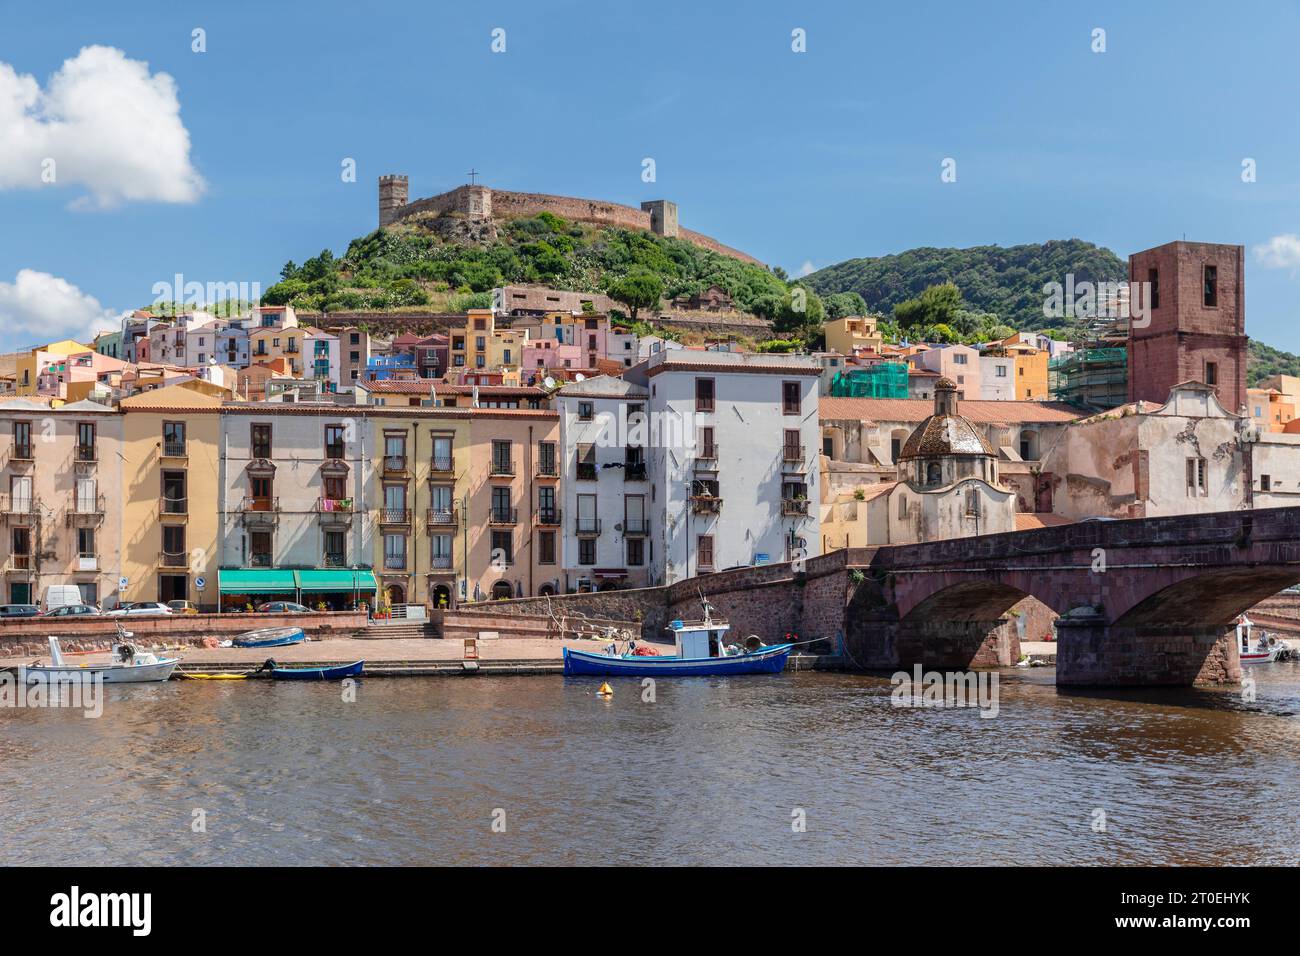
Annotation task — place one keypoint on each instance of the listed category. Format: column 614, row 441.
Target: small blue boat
column 315, row 673
column 702, row 651
column 270, row 637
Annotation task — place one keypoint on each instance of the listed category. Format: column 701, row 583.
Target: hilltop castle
column 482, row 202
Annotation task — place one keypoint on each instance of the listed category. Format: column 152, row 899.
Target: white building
column 732, row 456
column 321, row 358
column 294, row 483
column 997, row 375
column 606, row 492
column 650, row 345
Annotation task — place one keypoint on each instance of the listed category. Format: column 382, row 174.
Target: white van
column 61, row 595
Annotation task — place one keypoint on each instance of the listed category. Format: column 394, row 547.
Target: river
column 714, row 771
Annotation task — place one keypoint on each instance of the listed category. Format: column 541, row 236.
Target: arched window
column 933, row 473
column 502, row 591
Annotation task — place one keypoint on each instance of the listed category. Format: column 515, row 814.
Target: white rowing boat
column 130, row 666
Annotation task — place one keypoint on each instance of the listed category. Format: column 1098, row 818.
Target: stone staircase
column 397, row 630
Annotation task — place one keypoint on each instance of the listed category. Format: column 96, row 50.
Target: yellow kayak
column 214, row 676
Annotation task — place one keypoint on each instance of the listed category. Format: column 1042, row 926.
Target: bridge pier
column 1092, row 653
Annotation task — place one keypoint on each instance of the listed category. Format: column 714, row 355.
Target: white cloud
column 1280, row 252
column 807, row 268
column 37, row 308
column 108, row 124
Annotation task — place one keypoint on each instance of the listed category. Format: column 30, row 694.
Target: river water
column 417, row 771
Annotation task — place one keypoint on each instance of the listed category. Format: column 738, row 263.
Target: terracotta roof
column 1028, row 522
column 945, row 435
column 982, row 412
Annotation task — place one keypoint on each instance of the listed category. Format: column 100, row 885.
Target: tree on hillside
column 841, row 304
column 637, row 290
column 937, row 305
column 801, row 314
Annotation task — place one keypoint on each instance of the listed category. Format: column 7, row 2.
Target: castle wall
column 481, row 201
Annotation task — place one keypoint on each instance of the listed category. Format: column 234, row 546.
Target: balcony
column 394, row 562
column 706, row 458
column 86, row 512
column 586, row 471
column 19, row 562
column 442, row 518
column 706, row 505
column 794, row 506
column 503, row 516
column 260, row 560
column 634, row 471
column 548, row 517
column 635, row 527
column 173, row 507
column 441, row 564
column 548, row 469
column 335, row 561
column 395, row 517
column 174, row 449
column 334, row 511
column 502, row 468
column 22, row 455
column 87, row 562
column 169, row 559
column 395, row 465
column 443, row 465
column 792, row 458
column 586, row 527
column 86, row 455
column 20, row 510
column 260, row 511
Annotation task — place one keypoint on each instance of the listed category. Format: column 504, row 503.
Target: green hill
column 1005, row 280
column 453, row 264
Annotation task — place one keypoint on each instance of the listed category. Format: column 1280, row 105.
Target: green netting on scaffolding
column 884, row 380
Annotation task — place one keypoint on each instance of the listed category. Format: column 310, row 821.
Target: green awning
column 331, row 580
column 247, row 581
column 366, row 581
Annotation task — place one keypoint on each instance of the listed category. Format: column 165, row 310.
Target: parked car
column 283, row 607
column 182, row 607
column 73, row 610
column 139, row 608
column 19, row 610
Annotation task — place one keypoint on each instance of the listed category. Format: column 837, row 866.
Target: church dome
column 945, row 432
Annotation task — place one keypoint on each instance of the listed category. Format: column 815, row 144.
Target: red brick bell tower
column 1197, row 328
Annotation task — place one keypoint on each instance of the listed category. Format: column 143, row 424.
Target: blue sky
column 796, row 158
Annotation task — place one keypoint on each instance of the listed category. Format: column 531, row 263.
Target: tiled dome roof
column 945, row 435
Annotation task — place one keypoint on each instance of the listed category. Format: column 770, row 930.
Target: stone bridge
column 1145, row 601
column 1148, row 601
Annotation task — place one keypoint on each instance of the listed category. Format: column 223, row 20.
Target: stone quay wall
column 29, row 636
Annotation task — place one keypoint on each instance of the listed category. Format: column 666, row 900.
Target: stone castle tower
column 1197, row 328
column 393, row 194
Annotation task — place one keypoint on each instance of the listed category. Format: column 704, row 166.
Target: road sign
column 122, row 583
column 200, row 582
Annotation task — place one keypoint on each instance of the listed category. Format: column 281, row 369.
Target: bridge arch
column 1212, row 597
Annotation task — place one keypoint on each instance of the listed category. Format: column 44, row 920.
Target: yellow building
column 481, row 345
column 170, row 483
column 1031, row 372
column 30, row 365
column 272, row 342
column 852, row 332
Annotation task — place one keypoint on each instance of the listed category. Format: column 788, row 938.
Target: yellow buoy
column 605, row 691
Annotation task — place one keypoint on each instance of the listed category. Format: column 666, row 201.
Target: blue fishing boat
column 270, row 637
column 701, row 651
column 337, row 672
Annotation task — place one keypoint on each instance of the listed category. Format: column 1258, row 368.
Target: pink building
column 961, row 363
column 552, row 353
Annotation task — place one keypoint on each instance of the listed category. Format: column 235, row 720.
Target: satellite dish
column 579, row 377
column 548, row 382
